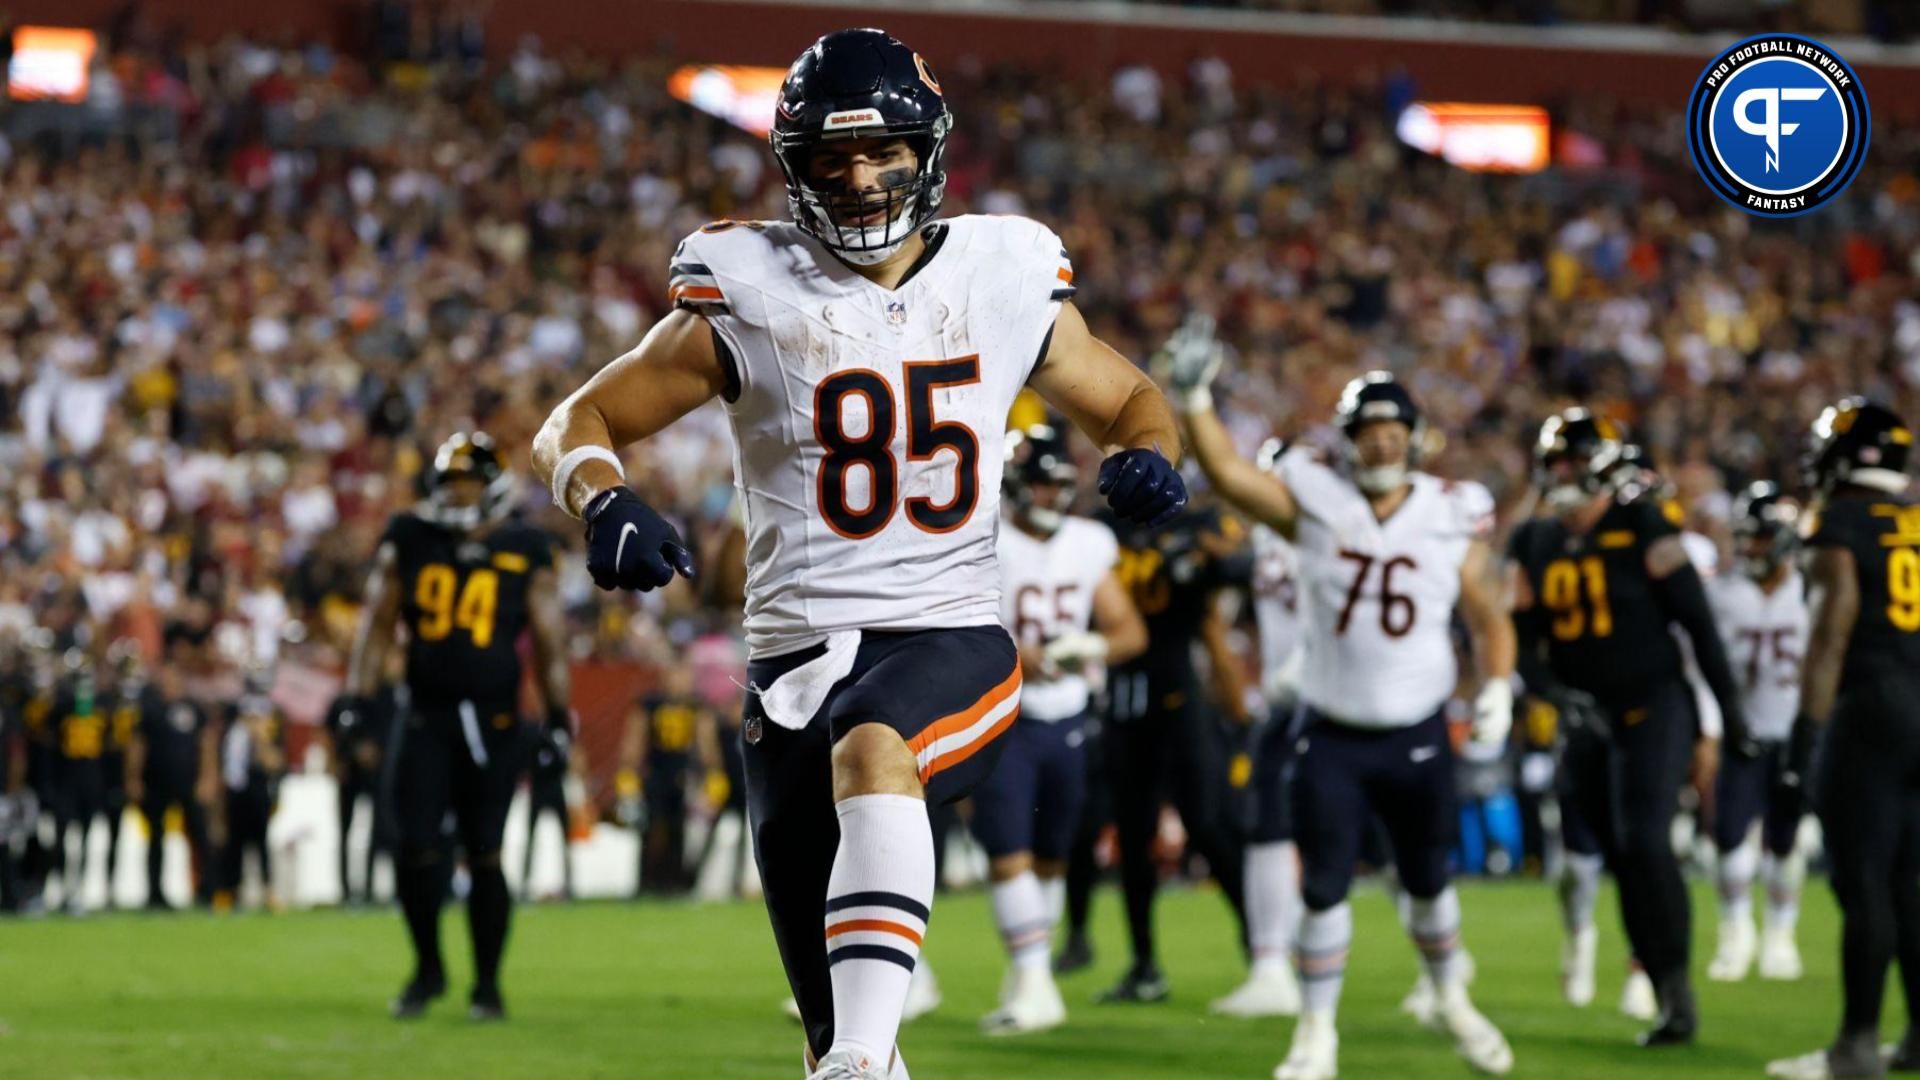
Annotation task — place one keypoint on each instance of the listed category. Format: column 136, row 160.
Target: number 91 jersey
column 1379, row 595
column 868, row 422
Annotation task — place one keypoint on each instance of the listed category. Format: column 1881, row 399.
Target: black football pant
column 1867, row 792
column 454, row 771
column 547, row 794
column 1625, row 785
column 1083, row 864
column 1171, row 753
column 358, row 782
column 248, row 812
column 162, row 792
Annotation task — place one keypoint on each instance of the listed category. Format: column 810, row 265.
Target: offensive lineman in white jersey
column 1272, row 861
column 1068, row 611
column 867, row 357
column 1762, row 614
column 1387, row 554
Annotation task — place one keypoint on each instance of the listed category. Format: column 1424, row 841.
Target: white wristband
column 573, row 459
column 1197, row 400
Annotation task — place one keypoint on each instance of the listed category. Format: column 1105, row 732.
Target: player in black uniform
column 358, row 741
column 1162, row 739
column 659, row 750
column 466, row 581
column 1857, row 697
column 172, row 749
column 1596, row 588
column 79, row 720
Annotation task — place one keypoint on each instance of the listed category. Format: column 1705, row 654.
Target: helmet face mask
column 1040, row 480
column 470, row 486
column 864, row 90
column 1576, row 458
column 1384, row 432
column 1765, row 530
column 1855, row 441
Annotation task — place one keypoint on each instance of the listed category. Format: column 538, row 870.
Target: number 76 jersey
column 1378, row 596
column 868, row 423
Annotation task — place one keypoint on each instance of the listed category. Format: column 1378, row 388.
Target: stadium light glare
column 1479, row 138
column 743, row 96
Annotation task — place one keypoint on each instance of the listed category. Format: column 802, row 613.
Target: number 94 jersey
column 868, row 422
column 1883, row 533
column 463, row 598
column 1379, row 595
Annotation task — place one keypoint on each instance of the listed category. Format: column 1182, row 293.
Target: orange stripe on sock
column 855, row 926
column 1065, row 275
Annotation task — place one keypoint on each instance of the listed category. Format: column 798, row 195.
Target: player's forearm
column 1530, row 654
column 576, row 423
column 1236, row 479
column 1144, row 421
column 1834, row 607
column 369, row 656
column 1685, row 600
column 1496, row 646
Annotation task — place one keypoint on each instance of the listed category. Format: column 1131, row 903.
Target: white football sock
column 878, row 901
column 1325, row 937
column 1273, row 902
column 1579, row 891
column 1054, row 889
column 1434, row 926
column 1020, row 911
column 1784, row 877
column 1736, row 880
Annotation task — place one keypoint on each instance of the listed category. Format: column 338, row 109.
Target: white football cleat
column 1268, row 991
column 1475, row 1036
column 1805, row 1067
column 1576, row 967
column 1734, row 956
column 1034, row 1004
column 843, row 1065
column 923, row 993
column 1421, row 1002
column 1637, row 999
column 1315, row 1053
column 1780, row 955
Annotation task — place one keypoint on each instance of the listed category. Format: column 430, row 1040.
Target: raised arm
column 1191, row 359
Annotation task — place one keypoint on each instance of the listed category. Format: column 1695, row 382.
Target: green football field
column 666, row 990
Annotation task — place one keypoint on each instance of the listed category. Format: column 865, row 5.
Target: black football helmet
column 1858, row 442
column 468, row 454
column 1577, row 456
column 1765, row 529
column 855, row 84
column 1038, row 454
column 1372, row 397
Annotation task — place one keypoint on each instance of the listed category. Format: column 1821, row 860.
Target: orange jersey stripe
column 694, row 292
column 1065, row 275
column 960, row 721
column 855, row 926
column 950, row 759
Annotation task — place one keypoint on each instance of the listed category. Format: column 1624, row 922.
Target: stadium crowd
column 245, row 289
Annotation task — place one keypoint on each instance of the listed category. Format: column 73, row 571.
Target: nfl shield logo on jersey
column 896, row 313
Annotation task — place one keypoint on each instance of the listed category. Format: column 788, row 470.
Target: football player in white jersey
column 1069, row 612
column 867, row 356
column 1387, row 555
column 1272, row 862
column 1762, row 614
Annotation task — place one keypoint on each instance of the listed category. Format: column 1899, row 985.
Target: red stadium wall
column 1533, row 66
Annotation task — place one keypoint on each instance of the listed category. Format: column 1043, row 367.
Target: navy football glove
column 631, row 547
column 1143, row 487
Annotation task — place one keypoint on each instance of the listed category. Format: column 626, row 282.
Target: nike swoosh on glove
column 631, row 547
column 1143, row 487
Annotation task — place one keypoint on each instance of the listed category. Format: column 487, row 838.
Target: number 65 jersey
column 868, row 423
column 1378, row 596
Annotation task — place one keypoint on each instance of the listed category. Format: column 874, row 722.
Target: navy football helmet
column 1765, row 529
column 1038, row 458
column 1374, row 397
column 857, row 84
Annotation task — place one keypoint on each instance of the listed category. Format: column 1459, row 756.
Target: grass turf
column 668, row 991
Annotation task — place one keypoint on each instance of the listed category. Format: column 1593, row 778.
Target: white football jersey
column 1276, row 604
column 1766, row 636
column 1378, row 596
column 868, row 422
column 1047, row 591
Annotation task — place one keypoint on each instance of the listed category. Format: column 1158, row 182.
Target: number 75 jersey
column 1378, row 596
column 868, row 423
